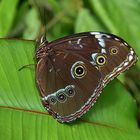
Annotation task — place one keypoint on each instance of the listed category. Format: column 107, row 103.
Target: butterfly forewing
column 93, row 44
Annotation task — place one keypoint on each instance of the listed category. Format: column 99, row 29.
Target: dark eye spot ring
column 113, row 50
column 100, row 59
column 78, row 70
column 61, row 97
column 70, row 91
column 52, row 100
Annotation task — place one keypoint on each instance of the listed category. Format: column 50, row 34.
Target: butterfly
column 72, row 71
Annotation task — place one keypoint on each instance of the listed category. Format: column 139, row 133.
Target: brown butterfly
column 72, row 71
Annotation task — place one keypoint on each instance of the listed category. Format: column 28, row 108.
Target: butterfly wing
column 55, row 75
column 55, row 79
column 119, row 55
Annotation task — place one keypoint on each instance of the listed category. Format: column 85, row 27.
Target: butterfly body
column 72, row 71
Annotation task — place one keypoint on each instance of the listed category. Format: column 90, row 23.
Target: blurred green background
column 25, row 19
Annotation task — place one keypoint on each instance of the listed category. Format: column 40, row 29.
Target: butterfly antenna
column 42, row 14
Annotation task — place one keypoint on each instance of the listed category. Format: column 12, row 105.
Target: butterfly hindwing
column 58, row 72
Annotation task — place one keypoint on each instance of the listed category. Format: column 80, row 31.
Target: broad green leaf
column 7, row 14
column 32, row 25
column 22, row 115
column 87, row 22
column 53, row 5
column 19, row 22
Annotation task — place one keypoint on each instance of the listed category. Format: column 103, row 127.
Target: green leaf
column 7, row 14
column 32, row 25
column 87, row 22
column 19, row 21
column 22, row 115
column 53, row 5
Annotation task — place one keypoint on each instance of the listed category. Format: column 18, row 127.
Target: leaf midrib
column 80, row 120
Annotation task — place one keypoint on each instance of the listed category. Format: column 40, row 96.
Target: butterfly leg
column 26, row 66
